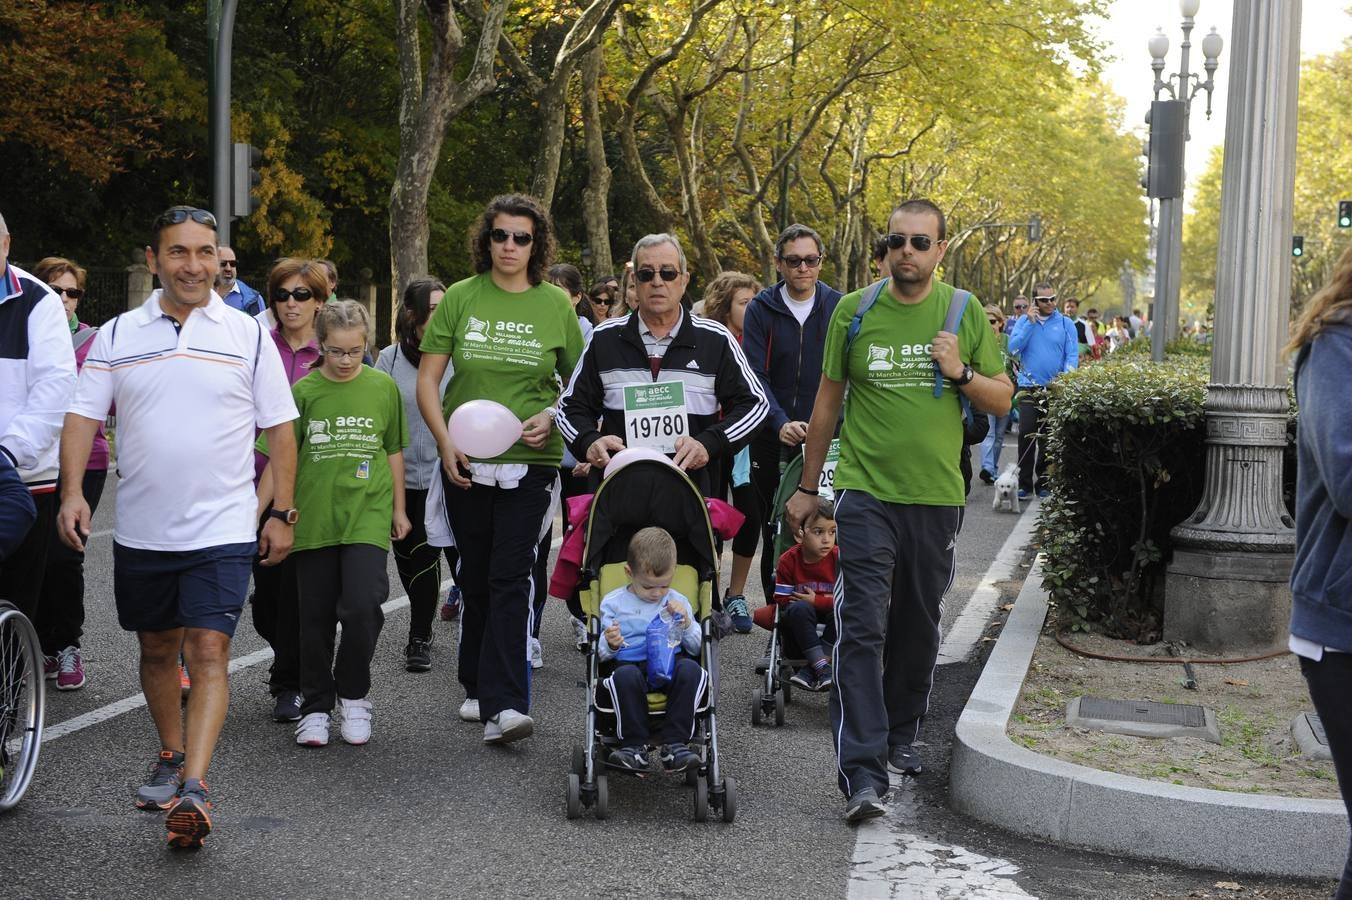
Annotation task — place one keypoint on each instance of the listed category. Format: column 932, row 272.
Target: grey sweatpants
column 896, row 562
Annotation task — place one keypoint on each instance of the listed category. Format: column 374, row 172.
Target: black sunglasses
column 177, row 215
column 520, row 238
column 72, row 293
column 921, row 242
column 281, row 295
column 796, row 262
column 668, row 273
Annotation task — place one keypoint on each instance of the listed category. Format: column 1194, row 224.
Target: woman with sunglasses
column 995, row 436
column 418, row 561
column 515, row 338
column 61, row 610
column 296, row 290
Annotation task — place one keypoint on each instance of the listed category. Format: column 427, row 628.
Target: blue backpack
column 956, row 307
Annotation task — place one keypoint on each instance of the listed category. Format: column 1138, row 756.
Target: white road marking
column 893, row 860
column 966, row 632
column 136, row 701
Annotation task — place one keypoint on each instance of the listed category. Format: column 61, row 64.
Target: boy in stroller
column 626, row 613
column 805, row 581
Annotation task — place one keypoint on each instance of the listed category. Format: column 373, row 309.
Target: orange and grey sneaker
column 184, row 682
column 189, row 819
column 166, row 774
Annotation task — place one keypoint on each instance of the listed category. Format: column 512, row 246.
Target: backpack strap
column 869, row 297
column 956, row 307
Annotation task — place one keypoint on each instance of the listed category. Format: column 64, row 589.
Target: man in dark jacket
column 783, row 336
column 662, row 378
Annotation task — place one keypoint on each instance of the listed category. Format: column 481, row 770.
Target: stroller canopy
column 649, row 493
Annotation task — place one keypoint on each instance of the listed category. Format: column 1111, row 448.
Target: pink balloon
column 483, row 429
column 630, row 454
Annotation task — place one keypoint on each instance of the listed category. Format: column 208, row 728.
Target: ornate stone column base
column 1226, row 589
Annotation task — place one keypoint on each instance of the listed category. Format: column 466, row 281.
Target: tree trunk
column 692, row 209
column 426, row 107
column 553, row 100
column 596, row 195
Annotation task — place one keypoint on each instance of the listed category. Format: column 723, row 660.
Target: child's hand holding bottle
column 613, row 636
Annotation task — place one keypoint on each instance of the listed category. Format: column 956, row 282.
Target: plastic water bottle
column 674, row 631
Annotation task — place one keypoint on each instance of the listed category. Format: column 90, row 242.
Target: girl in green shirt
column 350, row 495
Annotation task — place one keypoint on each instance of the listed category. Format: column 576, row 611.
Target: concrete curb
column 997, row 781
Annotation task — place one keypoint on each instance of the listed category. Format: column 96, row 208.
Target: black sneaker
column 986, row 477
column 804, row 679
column 864, row 805
column 286, row 707
column 904, row 760
column 631, row 759
column 823, row 679
column 678, row 758
column 418, row 655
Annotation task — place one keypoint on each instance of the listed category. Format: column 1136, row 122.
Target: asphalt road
column 426, row 810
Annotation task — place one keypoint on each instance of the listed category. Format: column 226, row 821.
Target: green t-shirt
column 898, row 442
column 513, row 348
column 346, row 433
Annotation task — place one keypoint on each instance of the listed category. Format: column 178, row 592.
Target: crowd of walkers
column 259, row 443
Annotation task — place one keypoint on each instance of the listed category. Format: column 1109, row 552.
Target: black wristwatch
column 965, row 378
column 289, row 516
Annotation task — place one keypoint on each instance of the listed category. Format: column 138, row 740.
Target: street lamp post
column 1181, row 87
column 1226, row 587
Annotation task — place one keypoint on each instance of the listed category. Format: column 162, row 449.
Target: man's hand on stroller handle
column 598, row 454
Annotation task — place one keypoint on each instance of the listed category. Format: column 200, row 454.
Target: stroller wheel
column 757, row 706
column 574, row 796
column 691, row 776
column 579, row 765
column 602, row 797
column 729, row 799
column 779, row 707
column 702, row 799
column 787, row 687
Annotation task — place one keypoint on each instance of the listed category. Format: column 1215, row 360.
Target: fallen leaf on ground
column 1237, row 682
column 1007, row 607
column 1228, row 885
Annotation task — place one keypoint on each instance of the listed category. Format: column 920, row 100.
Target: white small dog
column 1007, row 489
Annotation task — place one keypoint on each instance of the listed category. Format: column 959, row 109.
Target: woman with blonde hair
column 1321, row 602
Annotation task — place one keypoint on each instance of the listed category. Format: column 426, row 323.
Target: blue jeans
column 995, row 439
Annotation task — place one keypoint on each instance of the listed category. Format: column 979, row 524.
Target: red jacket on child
column 793, row 570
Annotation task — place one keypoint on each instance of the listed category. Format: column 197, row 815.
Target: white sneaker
column 537, row 654
column 469, row 710
column 507, row 726
column 356, row 727
column 313, row 730
column 580, row 634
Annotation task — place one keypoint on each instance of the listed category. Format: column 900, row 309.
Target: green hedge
column 1126, row 443
column 1126, row 440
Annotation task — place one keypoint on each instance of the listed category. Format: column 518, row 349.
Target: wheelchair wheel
column 779, row 708
column 729, row 799
column 574, row 796
column 602, row 797
column 22, row 704
column 757, row 706
column 702, row 799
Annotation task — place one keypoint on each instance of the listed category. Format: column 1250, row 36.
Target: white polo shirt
column 188, row 402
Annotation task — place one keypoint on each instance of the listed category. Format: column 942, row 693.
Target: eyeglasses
column 520, row 238
column 600, row 301
column 921, row 242
column 72, row 293
column 798, row 262
column 668, row 274
column 177, row 215
column 335, row 353
column 1051, row 299
column 1020, row 305
column 993, row 321
column 301, row 294
column 228, row 262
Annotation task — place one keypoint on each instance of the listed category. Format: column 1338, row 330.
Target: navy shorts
column 159, row 590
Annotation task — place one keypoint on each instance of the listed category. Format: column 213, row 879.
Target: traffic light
column 244, row 178
column 1297, row 245
column 1345, row 213
column 1168, row 131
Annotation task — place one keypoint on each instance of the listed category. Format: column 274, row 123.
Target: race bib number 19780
column 654, row 415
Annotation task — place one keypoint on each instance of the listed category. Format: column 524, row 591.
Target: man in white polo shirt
column 191, row 380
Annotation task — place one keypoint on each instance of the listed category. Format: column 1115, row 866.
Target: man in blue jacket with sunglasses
column 783, row 336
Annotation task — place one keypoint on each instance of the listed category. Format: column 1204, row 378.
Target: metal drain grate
column 1317, row 727
column 1147, row 711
